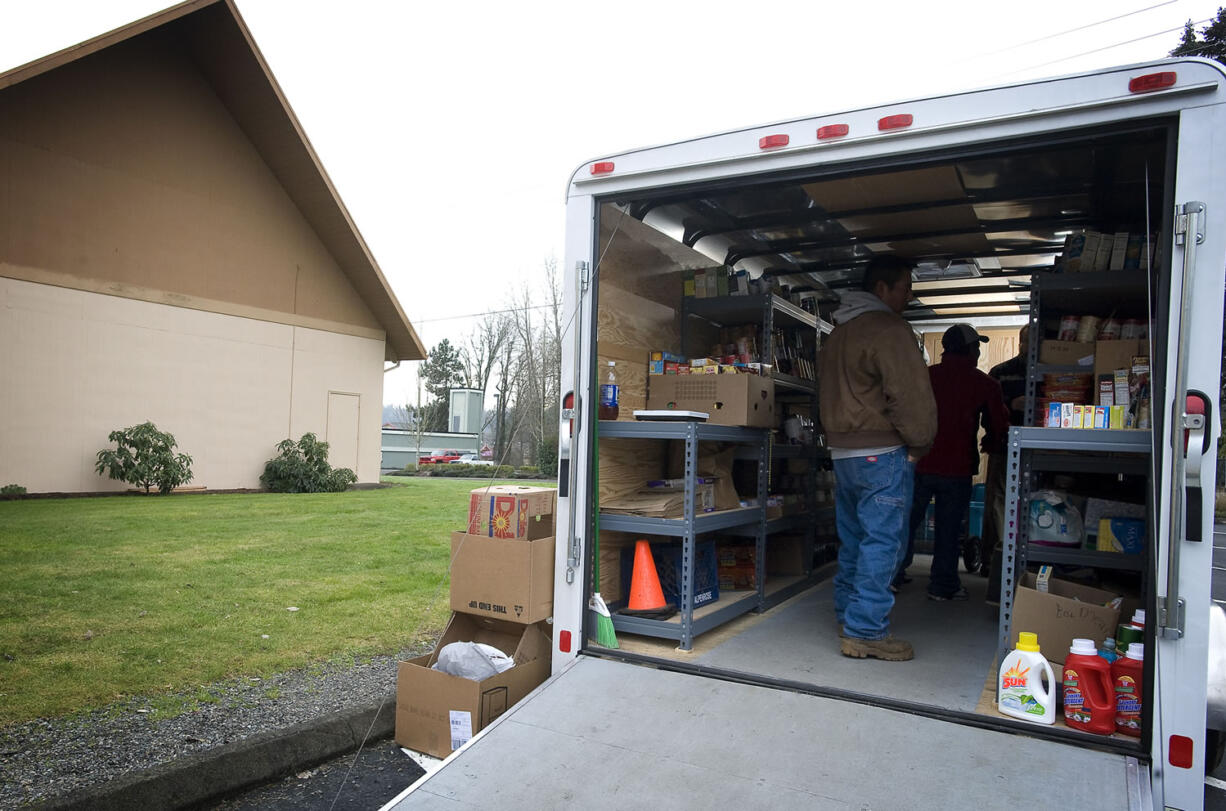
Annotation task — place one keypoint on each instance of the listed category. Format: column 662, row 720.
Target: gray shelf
column 1136, row 464
column 725, row 310
column 677, row 527
column 784, row 523
column 679, row 429
column 779, row 589
column 1037, row 553
column 1081, row 440
column 731, row 604
column 1119, row 292
column 793, row 384
column 1063, row 368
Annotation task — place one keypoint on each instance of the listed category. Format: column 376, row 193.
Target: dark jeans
column 953, row 497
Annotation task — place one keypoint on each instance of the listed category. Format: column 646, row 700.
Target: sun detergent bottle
column 1021, row 692
column 1089, row 697
column 1127, row 675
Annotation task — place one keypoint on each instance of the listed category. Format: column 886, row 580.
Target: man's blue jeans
column 872, row 503
column 953, row 497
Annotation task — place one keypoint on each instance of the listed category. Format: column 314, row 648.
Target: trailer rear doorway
column 977, row 224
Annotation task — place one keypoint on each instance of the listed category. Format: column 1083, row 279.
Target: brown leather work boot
column 889, row 649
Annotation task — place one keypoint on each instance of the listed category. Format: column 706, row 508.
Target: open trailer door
column 1186, row 428
column 604, row 734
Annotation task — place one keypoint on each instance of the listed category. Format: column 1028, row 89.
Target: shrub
column 547, row 457
column 145, row 457
column 467, row 471
column 302, row 467
column 12, row 490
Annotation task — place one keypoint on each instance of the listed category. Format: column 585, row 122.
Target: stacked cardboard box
column 501, row 593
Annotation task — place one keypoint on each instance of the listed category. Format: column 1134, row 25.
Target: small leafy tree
column 302, row 467
column 145, row 457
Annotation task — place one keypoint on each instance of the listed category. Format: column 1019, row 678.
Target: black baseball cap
column 961, row 337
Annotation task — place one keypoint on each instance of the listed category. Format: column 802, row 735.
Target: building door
column 343, row 409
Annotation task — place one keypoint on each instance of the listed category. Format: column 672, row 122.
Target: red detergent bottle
column 1089, row 697
column 1126, row 676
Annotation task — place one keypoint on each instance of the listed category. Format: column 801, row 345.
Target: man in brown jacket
column 880, row 417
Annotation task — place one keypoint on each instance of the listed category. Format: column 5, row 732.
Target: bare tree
column 538, row 329
column 480, row 351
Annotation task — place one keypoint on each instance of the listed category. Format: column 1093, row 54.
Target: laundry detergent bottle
column 1022, row 693
column 1089, row 697
column 1127, row 678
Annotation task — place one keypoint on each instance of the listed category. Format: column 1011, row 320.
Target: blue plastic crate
column 975, row 525
column 667, row 557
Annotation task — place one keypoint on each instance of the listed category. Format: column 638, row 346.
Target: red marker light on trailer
column 832, row 131
column 602, row 168
column 772, row 141
column 895, row 122
column 1151, row 82
column 564, row 641
column 569, row 402
column 1180, row 751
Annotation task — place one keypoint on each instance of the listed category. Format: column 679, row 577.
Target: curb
column 194, row 779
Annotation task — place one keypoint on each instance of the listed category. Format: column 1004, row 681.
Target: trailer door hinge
column 584, row 276
column 1181, row 222
column 1171, row 619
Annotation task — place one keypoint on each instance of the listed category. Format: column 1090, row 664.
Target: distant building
column 172, row 250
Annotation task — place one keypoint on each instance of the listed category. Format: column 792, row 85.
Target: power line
column 1100, row 50
column 1069, row 31
column 479, row 315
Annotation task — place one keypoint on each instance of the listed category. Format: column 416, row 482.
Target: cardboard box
column 785, row 555
column 1112, row 355
column 1066, row 353
column 437, row 713
column 502, row 578
column 729, row 399
column 511, row 511
column 1066, row 612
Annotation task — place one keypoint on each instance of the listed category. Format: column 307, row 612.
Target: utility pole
column 417, row 422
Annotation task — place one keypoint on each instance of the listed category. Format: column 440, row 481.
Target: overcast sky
column 451, row 129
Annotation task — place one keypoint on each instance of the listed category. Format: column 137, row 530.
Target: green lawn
column 107, row 598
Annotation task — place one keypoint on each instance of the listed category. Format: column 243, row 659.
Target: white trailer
column 988, row 181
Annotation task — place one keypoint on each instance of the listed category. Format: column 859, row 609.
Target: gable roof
column 223, row 48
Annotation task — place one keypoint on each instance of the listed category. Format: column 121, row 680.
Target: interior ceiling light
column 925, row 271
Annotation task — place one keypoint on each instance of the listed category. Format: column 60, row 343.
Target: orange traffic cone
column 646, row 596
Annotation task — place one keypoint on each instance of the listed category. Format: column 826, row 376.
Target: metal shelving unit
column 689, row 621
column 1067, row 450
column 768, row 312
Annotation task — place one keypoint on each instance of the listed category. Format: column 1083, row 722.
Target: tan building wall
column 125, row 168
column 75, row 365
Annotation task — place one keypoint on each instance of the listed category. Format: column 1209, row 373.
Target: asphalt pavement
column 354, row 782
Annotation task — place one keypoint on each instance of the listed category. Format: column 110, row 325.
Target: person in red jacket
column 966, row 398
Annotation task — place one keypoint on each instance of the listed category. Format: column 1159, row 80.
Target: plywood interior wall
column 638, row 300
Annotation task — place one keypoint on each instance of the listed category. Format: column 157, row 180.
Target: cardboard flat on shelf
column 430, row 704
column 1067, row 353
column 507, row 579
column 1110, row 356
column 1066, row 612
column 660, row 502
column 511, row 511
column 742, row 399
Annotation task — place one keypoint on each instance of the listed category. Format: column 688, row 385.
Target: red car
column 439, row 457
